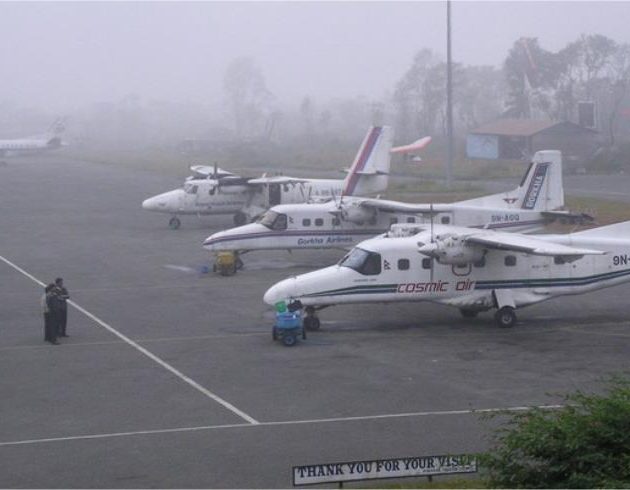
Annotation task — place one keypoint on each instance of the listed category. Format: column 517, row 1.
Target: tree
column 585, row 444
column 248, row 97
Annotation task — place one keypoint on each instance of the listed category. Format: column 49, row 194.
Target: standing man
column 50, row 320
column 62, row 294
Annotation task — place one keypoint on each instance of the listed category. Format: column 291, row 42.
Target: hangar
column 510, row 139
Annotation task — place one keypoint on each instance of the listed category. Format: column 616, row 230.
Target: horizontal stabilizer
column 414, row 147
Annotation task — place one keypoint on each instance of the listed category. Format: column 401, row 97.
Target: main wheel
column 505, row 317
column 174, row 223
column 240, row 218
column 303, row 334
column 311, row 323
column 274, row 333
column 467, row 313
column 289, row 340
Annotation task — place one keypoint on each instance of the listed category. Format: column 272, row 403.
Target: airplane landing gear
column 240, row 218
column 505, row 317
column 174, row 223
column 311, row 322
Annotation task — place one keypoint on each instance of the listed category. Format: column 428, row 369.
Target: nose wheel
column 174, row 223
column 311, row 322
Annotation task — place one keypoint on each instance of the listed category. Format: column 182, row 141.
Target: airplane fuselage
column 320, row 225
column 399, row 273
column 205, row 197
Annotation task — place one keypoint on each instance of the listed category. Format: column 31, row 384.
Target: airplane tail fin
column 369, row 173
column 57, row 127
column 541, row 188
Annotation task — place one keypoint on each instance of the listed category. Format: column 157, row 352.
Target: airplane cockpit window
column 274, row 221
column 362, row 261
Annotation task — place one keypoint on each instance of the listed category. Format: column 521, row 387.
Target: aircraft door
column 275, row 194
column 205, row 194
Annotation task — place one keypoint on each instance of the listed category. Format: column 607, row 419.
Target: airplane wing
column 525, row 244
column 278, row 179
column 403, row 207
column 568, row 216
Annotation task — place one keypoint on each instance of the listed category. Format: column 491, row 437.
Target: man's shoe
column 64, row 335
column 54, row 342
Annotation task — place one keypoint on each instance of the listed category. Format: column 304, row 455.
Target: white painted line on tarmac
column 144, row 351
column 279, row 423
column 142, row 341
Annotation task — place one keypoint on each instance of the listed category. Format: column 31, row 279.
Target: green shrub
column 585, row 444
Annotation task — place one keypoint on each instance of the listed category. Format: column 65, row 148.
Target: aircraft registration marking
column 505, row 218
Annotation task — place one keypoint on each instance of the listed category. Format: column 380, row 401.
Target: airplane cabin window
column 362, row 261
column 510, row 260
column 445, row 220
column 393, row 221
column 411, row 219
column 306, row 222
column 319, row 222
column 403, row 264
column 426, row 263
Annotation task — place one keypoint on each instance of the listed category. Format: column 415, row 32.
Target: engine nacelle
column 357, row 214
column 452, row 250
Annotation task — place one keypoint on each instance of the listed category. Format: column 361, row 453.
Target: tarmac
column 170, row 377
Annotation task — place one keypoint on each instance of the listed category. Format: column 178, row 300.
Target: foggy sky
column 65, row 55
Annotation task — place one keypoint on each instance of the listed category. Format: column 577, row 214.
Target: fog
column 68, row 58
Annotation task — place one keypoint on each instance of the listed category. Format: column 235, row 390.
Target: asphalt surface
column 170, row 377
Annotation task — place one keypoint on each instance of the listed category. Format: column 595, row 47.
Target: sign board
column 383, row 468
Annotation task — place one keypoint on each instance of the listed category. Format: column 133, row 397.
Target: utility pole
column 449, row 99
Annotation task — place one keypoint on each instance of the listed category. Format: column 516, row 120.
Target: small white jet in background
column 247, row 198
column 51, row 140
column 344, row 222
column 471, row 269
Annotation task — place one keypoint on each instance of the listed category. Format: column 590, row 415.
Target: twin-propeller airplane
column 471, row 269
column 213, row 191
column 344, row 222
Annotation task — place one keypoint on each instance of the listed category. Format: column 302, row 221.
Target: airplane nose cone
column 149, row 204
column 211, row 242
column 280, row 291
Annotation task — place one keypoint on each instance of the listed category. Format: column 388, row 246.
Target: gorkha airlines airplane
column 471, row 269
column 342, row 223
column 247, row 198
column 34, row 144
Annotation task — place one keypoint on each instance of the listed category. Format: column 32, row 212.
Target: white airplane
column 471, row 269
column 344, row 222
column 247, row 198
column 51, row 140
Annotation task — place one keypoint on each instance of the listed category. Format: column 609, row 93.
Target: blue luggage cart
column 288, row 327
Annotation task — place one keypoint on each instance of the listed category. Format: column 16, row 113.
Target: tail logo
column 533, row 191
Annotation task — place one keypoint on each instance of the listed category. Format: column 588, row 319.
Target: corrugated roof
column 520, row 127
